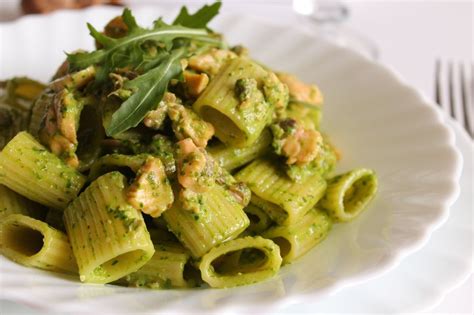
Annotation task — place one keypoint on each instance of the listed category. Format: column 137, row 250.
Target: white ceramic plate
column 374, row 118
column 420, row 282
column 423, row 279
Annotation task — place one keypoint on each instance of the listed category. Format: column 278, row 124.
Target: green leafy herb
column 127, row 50
column 200, row 19
column 149, row 88
column 153, row 53
column 117, row 48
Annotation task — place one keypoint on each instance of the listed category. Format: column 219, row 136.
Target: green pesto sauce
column 323, row 164
column 128, row 222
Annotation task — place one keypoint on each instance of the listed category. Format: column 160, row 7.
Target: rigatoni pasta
column 348, row 194
column 13, row 203
column 220, row 218
column 167, row 268
column 31, row 170
column 259, row 220
column 168, row 159
column 34, row 243
column 113, row 162
column 240, row 261
column 284, row 201
column 296, row 239
column 108, row 236
column 235, row 104
column 231, row 158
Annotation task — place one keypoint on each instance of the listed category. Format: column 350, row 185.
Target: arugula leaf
column 200, row 19
column 153, row 53
column 149, row 89
column 120, row 51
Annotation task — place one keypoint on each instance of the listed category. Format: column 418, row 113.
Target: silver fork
column 454, row 92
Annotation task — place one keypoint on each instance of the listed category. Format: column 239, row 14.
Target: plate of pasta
column 192, row 165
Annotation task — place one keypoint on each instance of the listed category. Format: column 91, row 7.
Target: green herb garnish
column 172, row 43
column 200, row 19
column 149, row 87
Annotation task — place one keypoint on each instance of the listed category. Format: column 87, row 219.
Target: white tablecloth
column 410, row 36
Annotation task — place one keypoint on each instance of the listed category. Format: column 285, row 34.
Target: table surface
column 410, row 37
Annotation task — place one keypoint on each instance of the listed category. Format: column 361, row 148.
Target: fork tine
column 438, row 82
column 451, row 91
column 472, row 81
column 469, row 76
column 465, row 98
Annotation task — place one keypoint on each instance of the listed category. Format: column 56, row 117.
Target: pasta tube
column 297, row 239
column 11, row 202
column 241, row 261
column 108, row 236
column 284, row 201
column 259, row 219
column 114, row 162
column 150, row 191
column 166, row 269
column 234, row 104
column 29, row 169
column 34, row 243
column 231, row 158
column 219, row 219
column 348, row 194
